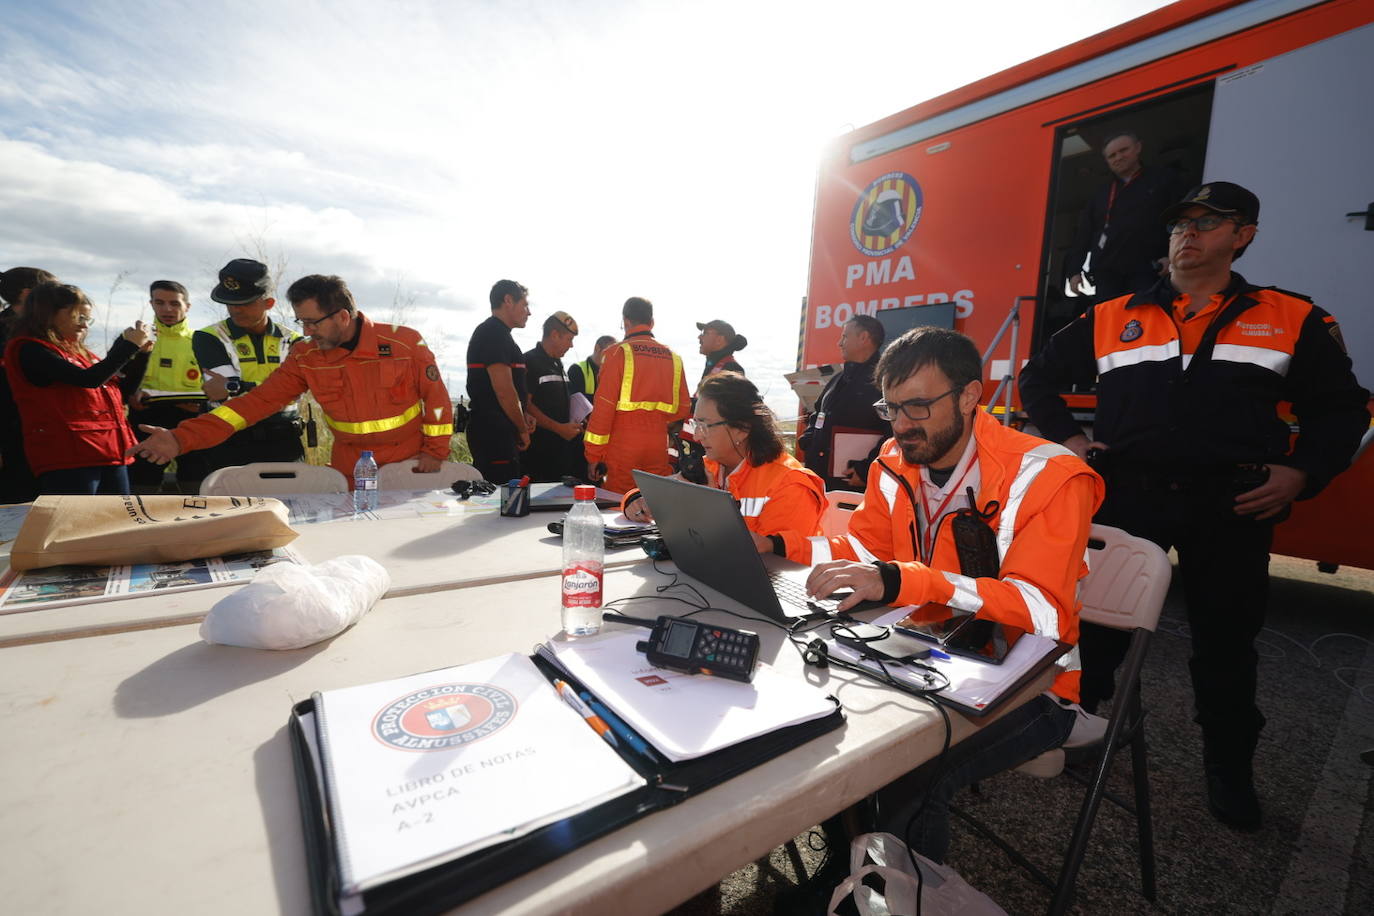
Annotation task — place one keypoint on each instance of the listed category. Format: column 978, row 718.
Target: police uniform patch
column 230, row 283
column 432, row 372
column 164, row 362
column 243, row 348
column 886, row 214
column 1131, row 331
column 383, row 349
column 192, row 374
column 444, row 716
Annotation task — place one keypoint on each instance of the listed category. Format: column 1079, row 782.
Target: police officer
column 555, row 448
column 582, row 376
column 1189, row 374
column 168, row 385
column 237, row 355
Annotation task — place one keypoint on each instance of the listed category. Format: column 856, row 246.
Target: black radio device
column 694, row 647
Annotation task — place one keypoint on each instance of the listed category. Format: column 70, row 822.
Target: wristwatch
column 234, row 386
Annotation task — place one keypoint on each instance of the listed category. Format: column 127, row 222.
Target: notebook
column 708, row 540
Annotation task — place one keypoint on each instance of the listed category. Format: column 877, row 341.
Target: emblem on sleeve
column 432, row 372
column 1132, row 331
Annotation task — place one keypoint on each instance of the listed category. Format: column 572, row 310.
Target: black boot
column 1229, row 763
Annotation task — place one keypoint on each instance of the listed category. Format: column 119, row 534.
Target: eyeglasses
column 308, row 323
column 1204, row 223
column 915, row 409
column 701, row 425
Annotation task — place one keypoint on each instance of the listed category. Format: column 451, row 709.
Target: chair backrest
column 401, row 475
column 1128, row 579
column 269, row 478
column 835, row 522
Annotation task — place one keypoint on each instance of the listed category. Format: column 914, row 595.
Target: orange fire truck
column 969, row 201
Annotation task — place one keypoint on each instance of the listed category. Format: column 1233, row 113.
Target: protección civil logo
column 443, row 716
column 886, row 214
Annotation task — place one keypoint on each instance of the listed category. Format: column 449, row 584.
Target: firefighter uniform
column 1044, row 498
column 229, row 350
column 383, row 393
column 641, row 391
column 1189, row 407
column 170, row 382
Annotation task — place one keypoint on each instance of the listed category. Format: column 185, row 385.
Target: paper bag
column 122, row 530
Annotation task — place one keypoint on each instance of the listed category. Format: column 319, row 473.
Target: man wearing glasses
column 1189, row 375
column 377, row 385
column 947, row 455
column 237, row 355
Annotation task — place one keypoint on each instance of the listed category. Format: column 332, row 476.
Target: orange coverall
column 1046, row 499
column 384, row 395
column 782, row 497
column 640, row 392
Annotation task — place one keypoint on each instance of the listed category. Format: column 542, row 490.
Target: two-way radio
column 682, row 644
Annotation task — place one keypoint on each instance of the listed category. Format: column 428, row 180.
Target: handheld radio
column 682, row 644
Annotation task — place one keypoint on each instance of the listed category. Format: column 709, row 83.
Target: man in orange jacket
column 1038, row 498
column 377, row 385
column 640, row 393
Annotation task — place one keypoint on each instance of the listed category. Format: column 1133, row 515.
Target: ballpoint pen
column 621, row 730
column 936, row 653
column 597, row 723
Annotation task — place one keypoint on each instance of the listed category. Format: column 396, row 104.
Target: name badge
column 820, row 420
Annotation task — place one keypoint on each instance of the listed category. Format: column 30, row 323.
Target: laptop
column 558, row 497
column 708, row 540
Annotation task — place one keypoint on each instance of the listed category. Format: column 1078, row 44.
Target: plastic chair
column 835, row 521
column 271, row 478
column 401, row 475
column 1125, row 588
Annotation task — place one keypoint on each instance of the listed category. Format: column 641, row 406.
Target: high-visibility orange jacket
column 781, row 497
column 384, row 395
column 641, row 390
column 1045, row 498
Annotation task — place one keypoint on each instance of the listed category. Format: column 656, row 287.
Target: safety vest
column 243, row 355
column 172, row 373
column 68, row 426
column 588, row 376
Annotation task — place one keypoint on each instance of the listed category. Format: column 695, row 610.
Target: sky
column 590, row 149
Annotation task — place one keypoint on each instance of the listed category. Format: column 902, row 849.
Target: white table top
column 429, row 542
column 149, row 772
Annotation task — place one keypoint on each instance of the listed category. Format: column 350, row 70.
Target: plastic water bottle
column 584, row 553
column 365, row 484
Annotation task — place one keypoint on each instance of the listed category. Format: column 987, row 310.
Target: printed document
column 427, row 768
column 686, row 715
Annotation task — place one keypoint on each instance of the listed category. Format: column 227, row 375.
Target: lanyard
column 1111, row 199
column 933, row 518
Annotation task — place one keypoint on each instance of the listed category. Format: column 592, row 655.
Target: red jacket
column 384, row 395
column 1046, row 499
column 68, row 426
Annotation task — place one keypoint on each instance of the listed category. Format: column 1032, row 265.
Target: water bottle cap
column 584, row 491
column 367, row 454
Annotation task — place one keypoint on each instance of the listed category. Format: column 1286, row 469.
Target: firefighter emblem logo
column 443, row 717
column 1131, row 331
column 886, row 214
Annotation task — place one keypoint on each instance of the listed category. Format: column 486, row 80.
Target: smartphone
column 884, row 643
column 984, row 640
column 932, row 622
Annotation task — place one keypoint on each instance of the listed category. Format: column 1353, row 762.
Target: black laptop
column 708, row 539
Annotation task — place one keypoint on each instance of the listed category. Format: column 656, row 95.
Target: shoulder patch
column 1131, row 331
column 432, row 372
column 383, row 349
column 1335, row 331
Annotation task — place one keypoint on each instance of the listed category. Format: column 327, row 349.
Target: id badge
column 1102, row 241
column 820, row 420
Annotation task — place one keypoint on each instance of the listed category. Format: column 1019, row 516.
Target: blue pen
column 619, row 727
column 938, row 654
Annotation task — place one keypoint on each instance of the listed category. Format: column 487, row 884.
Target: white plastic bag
column 884, row 857
column 289, row 605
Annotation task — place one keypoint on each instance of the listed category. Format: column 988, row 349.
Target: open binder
column 450, row 883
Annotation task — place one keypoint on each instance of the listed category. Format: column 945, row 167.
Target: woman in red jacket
column 782, row 502
column 70, row 406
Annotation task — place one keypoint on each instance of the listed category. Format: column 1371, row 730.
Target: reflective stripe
column 627, row 380
column 1042, row 613
column 595, row 438
column 1032, row 463
column 374, row 426
column 150, row 394
column 752, row 506
column 820, row 550
column 1156, row 353
column 231, row 417
column 965, row 597
column 887, row 485
column 551, row 378
column 864, row 554
column 1275, row 361
column 436, row 429
column 1070, row 660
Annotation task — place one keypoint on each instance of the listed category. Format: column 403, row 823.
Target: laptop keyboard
column 793, row 593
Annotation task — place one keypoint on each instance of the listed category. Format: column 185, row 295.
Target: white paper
column 973, row 683
column 579, row 408
column 687, row 715
column 427, row 768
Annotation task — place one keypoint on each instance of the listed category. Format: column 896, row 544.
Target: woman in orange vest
column 781, row 500
column 70, row 406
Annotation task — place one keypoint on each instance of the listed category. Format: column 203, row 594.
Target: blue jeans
column 1024, row 733
column 110, row 479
